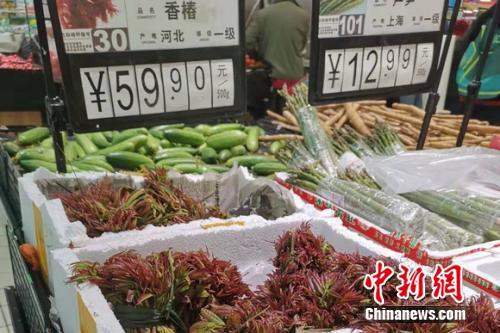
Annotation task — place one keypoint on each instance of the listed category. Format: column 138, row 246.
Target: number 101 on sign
column 133, row 90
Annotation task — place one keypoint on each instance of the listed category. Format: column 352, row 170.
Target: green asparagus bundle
column 477, row 214
column 317, row 142
column 385, row 141
column 392, row 213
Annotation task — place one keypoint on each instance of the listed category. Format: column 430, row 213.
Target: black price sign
column 140, row 63
column 373, row 49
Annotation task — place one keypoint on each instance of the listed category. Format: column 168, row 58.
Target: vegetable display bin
column 47, row 227
column 402, row 243
column 249, row 246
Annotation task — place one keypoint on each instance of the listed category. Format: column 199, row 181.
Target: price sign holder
column 117, row 87
column 355, row 56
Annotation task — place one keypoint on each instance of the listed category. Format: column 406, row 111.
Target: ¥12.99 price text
column 132, row 90
column 368, row 68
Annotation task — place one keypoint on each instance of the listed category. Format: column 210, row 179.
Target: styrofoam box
column 49, row 227
column 250, row 247
column 485, row 264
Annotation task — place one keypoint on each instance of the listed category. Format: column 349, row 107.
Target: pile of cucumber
column 195, row 150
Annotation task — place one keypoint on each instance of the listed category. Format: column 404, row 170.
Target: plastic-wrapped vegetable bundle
column 478, row 214
column 315, row 138
column 390, row 212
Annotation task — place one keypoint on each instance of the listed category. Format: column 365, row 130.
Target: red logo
column 444, row 282
column 411, row 282
column 447, row 282
column 377, row 281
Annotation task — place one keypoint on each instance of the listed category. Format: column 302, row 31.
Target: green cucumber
column 190, row 150
column 128, row 134
column 93, row 160
column 142, row 151
column 47, row 143
column 156, row 133
column 84, row 141
column 268, row 168
column 99, row 140
column 32, row 165
column 41, row 154
column 224, row 155
column 152, row 145
column 172, row 154
column 276, row 146
column 81, row 165
column 79, row 150
column 12, row 148
column 70, row 151
column 249, row 160
column 216, row 168
column 203, row 129
column 238, row 150
column 227, row 140
column 252, row 143
column 176, row 160
column 129, row 160
column 166, row 144
column 108, row 135
column 189, row 168
column 224, row 128
column 209, row 155
column 122, row 146
column 34, row 135
column 184, row 136
column 162, row 128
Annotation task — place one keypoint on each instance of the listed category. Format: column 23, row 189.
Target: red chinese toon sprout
column 83, row 14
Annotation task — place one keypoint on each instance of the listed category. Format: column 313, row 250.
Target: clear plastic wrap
column 316, row 140
column 460, row 184
column 478, row 214
column 427, row 170
column 396, row 214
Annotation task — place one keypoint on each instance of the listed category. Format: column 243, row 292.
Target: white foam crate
column 52, row 229
column 250, row 247
column 483, row 264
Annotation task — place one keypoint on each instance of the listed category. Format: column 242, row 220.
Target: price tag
column 389, row 68
column 334, row 68
column 124, row 90
column 372, row 59
column 223, row 83
column 406, row 64
column 353, row 61
column 374, row 49
column 142, row 63
column 425, row 53
column 200, row 84
column 150, row 88
column 95, row 86
column 175, row 86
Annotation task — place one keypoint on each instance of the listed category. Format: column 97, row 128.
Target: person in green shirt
column 279, row 34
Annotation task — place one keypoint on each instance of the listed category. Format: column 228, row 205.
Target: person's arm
column 252, row 34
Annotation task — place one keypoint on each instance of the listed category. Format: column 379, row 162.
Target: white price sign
column 371, row 68
column 123, row 91
column 379, row 17
column 138, row 25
